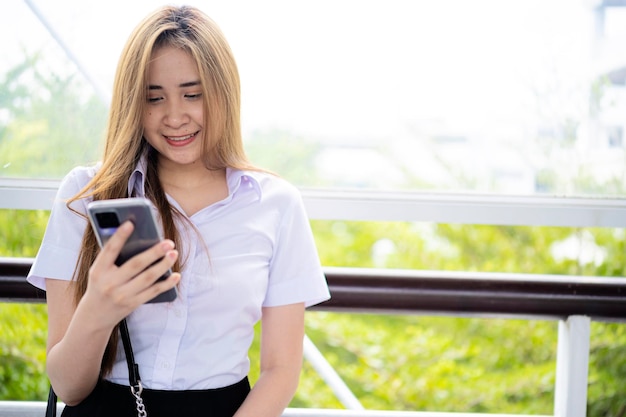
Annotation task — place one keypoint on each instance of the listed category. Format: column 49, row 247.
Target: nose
column 176, row 115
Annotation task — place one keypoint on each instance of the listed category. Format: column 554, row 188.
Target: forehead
column 171, row 65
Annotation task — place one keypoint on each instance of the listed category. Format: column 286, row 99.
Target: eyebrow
column 182, row 85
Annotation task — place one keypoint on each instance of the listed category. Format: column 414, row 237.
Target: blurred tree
column 289, row 155
column 460, row 364
column 22, row 352
column 50, row 123
column 22, row 326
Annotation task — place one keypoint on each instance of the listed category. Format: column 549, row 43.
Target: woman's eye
column 153, row 99
column 193, row 96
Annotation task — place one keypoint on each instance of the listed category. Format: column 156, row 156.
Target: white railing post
column 572, row 367
column 330, row 376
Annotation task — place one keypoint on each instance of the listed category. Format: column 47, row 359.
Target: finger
column 143, row 260
column 141, row 285
column 158, row 288
column 111, row 250
column 148, row 276
column 156, row 269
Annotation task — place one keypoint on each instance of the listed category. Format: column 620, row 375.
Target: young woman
column 237, row 236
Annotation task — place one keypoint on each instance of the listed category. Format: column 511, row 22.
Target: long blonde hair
column 191, row 30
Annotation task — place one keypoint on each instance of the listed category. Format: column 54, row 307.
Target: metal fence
column 572, row 300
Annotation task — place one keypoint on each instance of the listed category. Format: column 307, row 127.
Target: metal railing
column 572, row 300
column 375, row 205
column 37, row 409
column 551, row 297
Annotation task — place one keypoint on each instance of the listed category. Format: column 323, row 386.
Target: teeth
column 180, row 138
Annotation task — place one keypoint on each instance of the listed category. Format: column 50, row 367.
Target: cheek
column 197, row 113
column 148, row 120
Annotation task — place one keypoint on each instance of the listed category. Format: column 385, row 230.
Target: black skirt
column 109, row 399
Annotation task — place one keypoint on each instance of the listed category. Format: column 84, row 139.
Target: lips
column 181, row 140
column 178, row 139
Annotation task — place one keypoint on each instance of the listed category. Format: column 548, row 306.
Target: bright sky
column 352, row 68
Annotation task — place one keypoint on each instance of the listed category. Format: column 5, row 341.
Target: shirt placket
column 170, row 341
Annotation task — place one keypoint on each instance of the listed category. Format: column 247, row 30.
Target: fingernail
column 167, row 244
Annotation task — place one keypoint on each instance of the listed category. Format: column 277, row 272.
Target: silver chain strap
column 136, row 391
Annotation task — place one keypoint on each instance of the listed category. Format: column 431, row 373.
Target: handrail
column 428, row 292
column 573, row 300
column 38, row 408
column 383, row 205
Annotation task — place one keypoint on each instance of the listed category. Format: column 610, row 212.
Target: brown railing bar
column 428, row 292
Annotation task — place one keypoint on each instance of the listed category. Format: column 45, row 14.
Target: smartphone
column 106, row 216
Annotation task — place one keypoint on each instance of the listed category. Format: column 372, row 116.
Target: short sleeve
column 295, row 271
column 58, row 253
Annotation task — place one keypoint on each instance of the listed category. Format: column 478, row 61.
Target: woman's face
column 173, row 119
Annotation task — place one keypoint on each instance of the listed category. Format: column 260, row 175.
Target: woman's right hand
column 78, row 335
column 113, row 292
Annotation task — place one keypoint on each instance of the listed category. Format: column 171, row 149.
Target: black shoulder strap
column 51, row 409
column 133, row 368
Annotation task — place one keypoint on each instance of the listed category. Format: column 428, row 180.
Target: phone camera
column 107, row 220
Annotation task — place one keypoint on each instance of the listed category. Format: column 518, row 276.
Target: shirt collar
column 238, row 179
column 137, row 180
column 235, row 178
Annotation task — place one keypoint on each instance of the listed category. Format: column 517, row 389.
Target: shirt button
column 165, row 365
column 178, row 313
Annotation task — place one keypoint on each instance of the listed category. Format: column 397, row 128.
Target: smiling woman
column 236, row 237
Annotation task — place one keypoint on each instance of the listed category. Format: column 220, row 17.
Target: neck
column 188, row 176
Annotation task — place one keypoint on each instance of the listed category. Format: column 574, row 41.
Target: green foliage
column 440, row 363
column 24, row 326
column 49, row 125
column 607, row 370
column 286, row 154
column 22, row 352
column 459, row 364
column 21, row 232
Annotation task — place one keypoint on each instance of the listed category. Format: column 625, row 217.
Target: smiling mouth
column 181, row 138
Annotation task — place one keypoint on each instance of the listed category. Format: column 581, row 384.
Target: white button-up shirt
column 256, row 250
